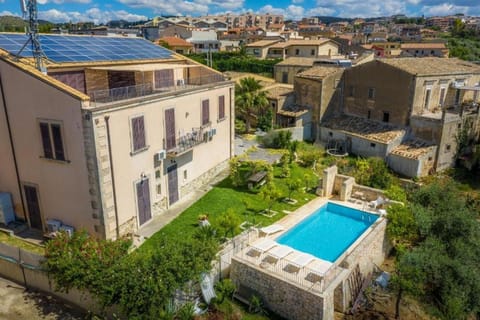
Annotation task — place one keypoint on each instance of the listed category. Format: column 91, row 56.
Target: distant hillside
column 12, row 24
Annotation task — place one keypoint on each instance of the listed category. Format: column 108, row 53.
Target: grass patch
column 245, row 204
column 14, row 241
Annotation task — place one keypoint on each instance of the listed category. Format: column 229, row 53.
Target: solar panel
column 65, row 48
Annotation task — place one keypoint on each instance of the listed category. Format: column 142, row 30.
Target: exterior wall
column 393, row 92
column 447, row 148
column 285, row 299
column 53, row 178
column 96, row 80
column 292, row 71
column 428, row 129
column 257, row 52
column 129, row 168
column 410, row 167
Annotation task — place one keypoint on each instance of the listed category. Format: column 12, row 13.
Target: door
column 33, row 207
column 143, row 201
column 170, row 128
column 172, row 184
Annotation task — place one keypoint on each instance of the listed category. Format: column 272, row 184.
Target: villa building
column 293, row 48
column 112, row 133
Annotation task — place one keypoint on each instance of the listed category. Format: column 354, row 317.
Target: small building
column 176, row 44
column 425, row 49
column 259, row 49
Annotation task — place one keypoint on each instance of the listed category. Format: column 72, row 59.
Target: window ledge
column 208, row 124
column 221, row 120
column 55, row 160
column 132, row 153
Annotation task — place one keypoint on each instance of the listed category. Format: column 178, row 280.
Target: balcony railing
column 189, row 140
column 146, row 89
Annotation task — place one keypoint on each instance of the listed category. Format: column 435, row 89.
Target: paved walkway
column 164, row 218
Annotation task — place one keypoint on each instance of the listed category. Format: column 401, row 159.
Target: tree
column 270, row 193
column 293, row 185
column 249, row 99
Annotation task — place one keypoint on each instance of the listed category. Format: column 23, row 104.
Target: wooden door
column 172, row 184
column 33, row 207
column 143, row 201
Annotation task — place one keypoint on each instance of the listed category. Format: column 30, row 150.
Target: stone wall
column 96, row 80
column 328, row 182
column 285, row 299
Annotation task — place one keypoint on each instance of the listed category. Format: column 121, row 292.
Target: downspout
column 114, row 193
column 12, row 146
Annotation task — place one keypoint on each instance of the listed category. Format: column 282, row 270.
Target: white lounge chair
column 271, row 229
column 263, row 245
column 320, row 267
column 375, row 203
column 206, row 285
column 279, row 252
column 300, row 260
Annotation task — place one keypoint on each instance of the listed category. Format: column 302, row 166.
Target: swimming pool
column 329, row 231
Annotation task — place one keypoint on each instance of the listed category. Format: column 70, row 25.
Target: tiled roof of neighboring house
column 293, row 111
column 297, row 61
column 278, row 91
column 319, row 72
column 175, row 42
column 364, row 128
column 301, row 43
column 423, row 45
column 432, row 66
column 413, row 149
column 276, row 25
column 262, row 43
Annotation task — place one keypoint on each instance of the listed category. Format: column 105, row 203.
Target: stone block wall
column 285, row 299
column 328, row 182
column 96, row 80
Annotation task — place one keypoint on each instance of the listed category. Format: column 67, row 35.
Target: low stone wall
column 285, row 299
column 369, row 194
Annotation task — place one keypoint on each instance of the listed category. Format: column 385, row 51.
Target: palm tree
column 249, row 99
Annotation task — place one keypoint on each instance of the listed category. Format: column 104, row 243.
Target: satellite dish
column 23, row 5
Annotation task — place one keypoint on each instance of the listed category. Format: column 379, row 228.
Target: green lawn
column 224, row 196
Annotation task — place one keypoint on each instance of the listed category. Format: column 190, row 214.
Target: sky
column 134, row 10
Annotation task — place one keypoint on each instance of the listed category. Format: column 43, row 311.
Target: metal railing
column 141, row 90
column 189, row 140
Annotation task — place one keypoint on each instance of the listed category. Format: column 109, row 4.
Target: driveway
column 242, row 145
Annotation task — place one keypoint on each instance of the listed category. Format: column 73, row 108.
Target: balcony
column 189, row 140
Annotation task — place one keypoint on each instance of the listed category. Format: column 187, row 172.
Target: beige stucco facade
column 96, row 186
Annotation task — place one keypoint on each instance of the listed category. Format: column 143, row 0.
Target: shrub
column 308, row 157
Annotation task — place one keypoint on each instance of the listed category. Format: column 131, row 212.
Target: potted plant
column 203, row 220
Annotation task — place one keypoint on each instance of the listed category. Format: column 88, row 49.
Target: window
column 386, row 117
column 284, row 77
column 159, row 189
column 441, row 102
column 221, row 107
column 369, row 114
column 52, row 141
column 138, row 134
column 185, row 175
column 205, row 112
column 427, row 98
column 371, row 93
column 457, row 97
column 351, row 91
column 297, row 52
column 447, row 148
column 373, row 145
column 330, row 133
column 312, row 52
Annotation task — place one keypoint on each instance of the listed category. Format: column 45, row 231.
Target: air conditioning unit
column 162, row 154
column 67, row 229
column 214, row 131
column 53, row 225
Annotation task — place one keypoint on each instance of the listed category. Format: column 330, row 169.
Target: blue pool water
column 329, row 231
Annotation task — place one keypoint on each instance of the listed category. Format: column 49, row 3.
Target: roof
column 175, row 42
column 432, row 66
column 297, row 61
column 278, row 91
column 301, row 43
column 364, row 128
column 319, row 72
column 413, row 149
column 262, row 43
column 423, row 45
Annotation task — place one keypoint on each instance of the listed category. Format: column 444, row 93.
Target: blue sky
column 133, row 10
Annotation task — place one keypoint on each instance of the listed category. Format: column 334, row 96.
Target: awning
column 145, row 67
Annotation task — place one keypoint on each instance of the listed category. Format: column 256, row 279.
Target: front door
column 33, row 207
column 172, row 184
column 143, row 201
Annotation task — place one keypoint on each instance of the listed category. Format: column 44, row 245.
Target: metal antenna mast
column 29, row 7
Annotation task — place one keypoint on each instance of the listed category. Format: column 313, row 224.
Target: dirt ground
column 18, row 304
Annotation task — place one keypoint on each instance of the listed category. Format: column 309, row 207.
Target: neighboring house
column 259, row 49
column 425, row 49
column 112, row 134
column 176, row 30
column 408, row 111
column 293, row 48
column 176, row 44
column 204, row 41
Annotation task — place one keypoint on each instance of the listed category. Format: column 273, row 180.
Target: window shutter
column 170, row 128
column 205, row 112
column 221, row 107
column 138, row 133
column 57, row 142
column 47, row 145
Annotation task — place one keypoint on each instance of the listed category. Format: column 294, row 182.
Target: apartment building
column 408, row 111
column 114, row 132
column 293, row 48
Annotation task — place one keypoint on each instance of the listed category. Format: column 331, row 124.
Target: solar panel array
column 62, row 48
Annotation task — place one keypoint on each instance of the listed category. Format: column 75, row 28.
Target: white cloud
column 297, row 1
column 8, row 13
column 365, row 8
column 443, row 9
column 94, row 15
column 63, row 1
column 290, row 12
column 320, row 11
column 184, row 7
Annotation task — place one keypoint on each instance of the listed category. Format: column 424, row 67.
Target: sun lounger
column 279, row 252
column 300, row 260
column 273, row 228
column 206, row 285
column 320, row 267
column 375, row 203
column 263, row 245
